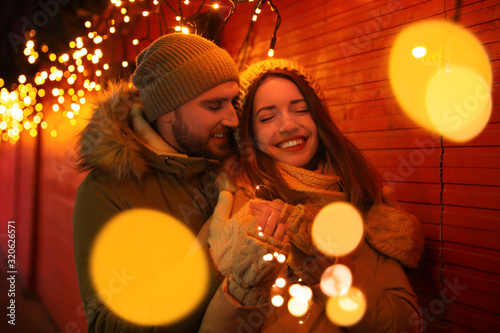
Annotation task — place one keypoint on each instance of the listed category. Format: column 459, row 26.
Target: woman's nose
column 288, row 123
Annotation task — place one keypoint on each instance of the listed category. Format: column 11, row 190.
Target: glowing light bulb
column 335, row 280
column 254, row 18
column 337, row 229
column 186, row 2
column 280, row 282
column 419, row 52
column 177, row 18
column 185, row 30
column 145, row 13
column 257, row 11
column 277, row 300
column 88, row 24
column 126, row 19
column 215, row 5
column 22, row 78
column 112, row 30
column 177, row 28
column 124, row 63
column 297, row 307
column 270, row 53
column 135, row 41
column 268, row 257
column 281, row 258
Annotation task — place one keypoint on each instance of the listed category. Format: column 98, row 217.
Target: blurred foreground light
column 277, row 300
column 337, row 229
column 148, row 267
column 335, row 280
column 441, row 77
column 298, row 307
column 346, row 309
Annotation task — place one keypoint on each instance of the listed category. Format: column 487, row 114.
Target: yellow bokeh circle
column 148, row 268
column 336, row 280
column 346, row 309
column 436, row 69
column 337, row 229
column 458, row 103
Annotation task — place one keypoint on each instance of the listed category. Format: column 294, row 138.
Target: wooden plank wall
column 454, row 189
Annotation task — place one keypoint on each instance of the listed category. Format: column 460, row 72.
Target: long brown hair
column 360, row 181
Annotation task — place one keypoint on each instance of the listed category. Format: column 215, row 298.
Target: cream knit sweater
column 388, row 230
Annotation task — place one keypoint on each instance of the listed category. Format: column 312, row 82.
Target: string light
column 79, row 68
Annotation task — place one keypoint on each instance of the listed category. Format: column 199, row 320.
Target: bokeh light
column 148, row 267
column 347, row 309
column 459, row 103
column 298, row 307
column 437, row 70
column 336, row 280
column 277, row 300
column 337, row 229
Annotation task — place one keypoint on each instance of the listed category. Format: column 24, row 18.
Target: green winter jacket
column 128, row 170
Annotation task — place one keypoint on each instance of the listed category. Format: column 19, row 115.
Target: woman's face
column 284, row 128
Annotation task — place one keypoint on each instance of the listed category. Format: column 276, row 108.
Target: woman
column 292, row 155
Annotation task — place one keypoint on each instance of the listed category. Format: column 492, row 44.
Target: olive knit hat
column 176, row 68
column 255, row 71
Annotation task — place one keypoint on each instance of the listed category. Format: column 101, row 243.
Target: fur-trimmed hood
column 119, row 143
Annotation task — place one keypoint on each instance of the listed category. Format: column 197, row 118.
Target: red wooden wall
column 453, row 189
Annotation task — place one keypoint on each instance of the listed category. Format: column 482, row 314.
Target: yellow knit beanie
column 255, row 71
column 176, row 68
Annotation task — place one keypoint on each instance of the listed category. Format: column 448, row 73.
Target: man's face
column 204, row 126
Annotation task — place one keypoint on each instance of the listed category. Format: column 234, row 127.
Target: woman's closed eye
column 301, row 111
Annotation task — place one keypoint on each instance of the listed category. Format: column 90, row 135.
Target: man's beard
column 194, row 145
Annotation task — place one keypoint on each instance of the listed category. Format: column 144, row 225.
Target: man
column 153, row 146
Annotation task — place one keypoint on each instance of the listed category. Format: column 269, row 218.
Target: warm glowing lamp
column 148, row 267
column 337, row 229
column 441, row 77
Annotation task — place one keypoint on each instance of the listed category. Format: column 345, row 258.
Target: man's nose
column 230, row 118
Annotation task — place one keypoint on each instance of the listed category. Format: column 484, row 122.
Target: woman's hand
column 268, row 213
